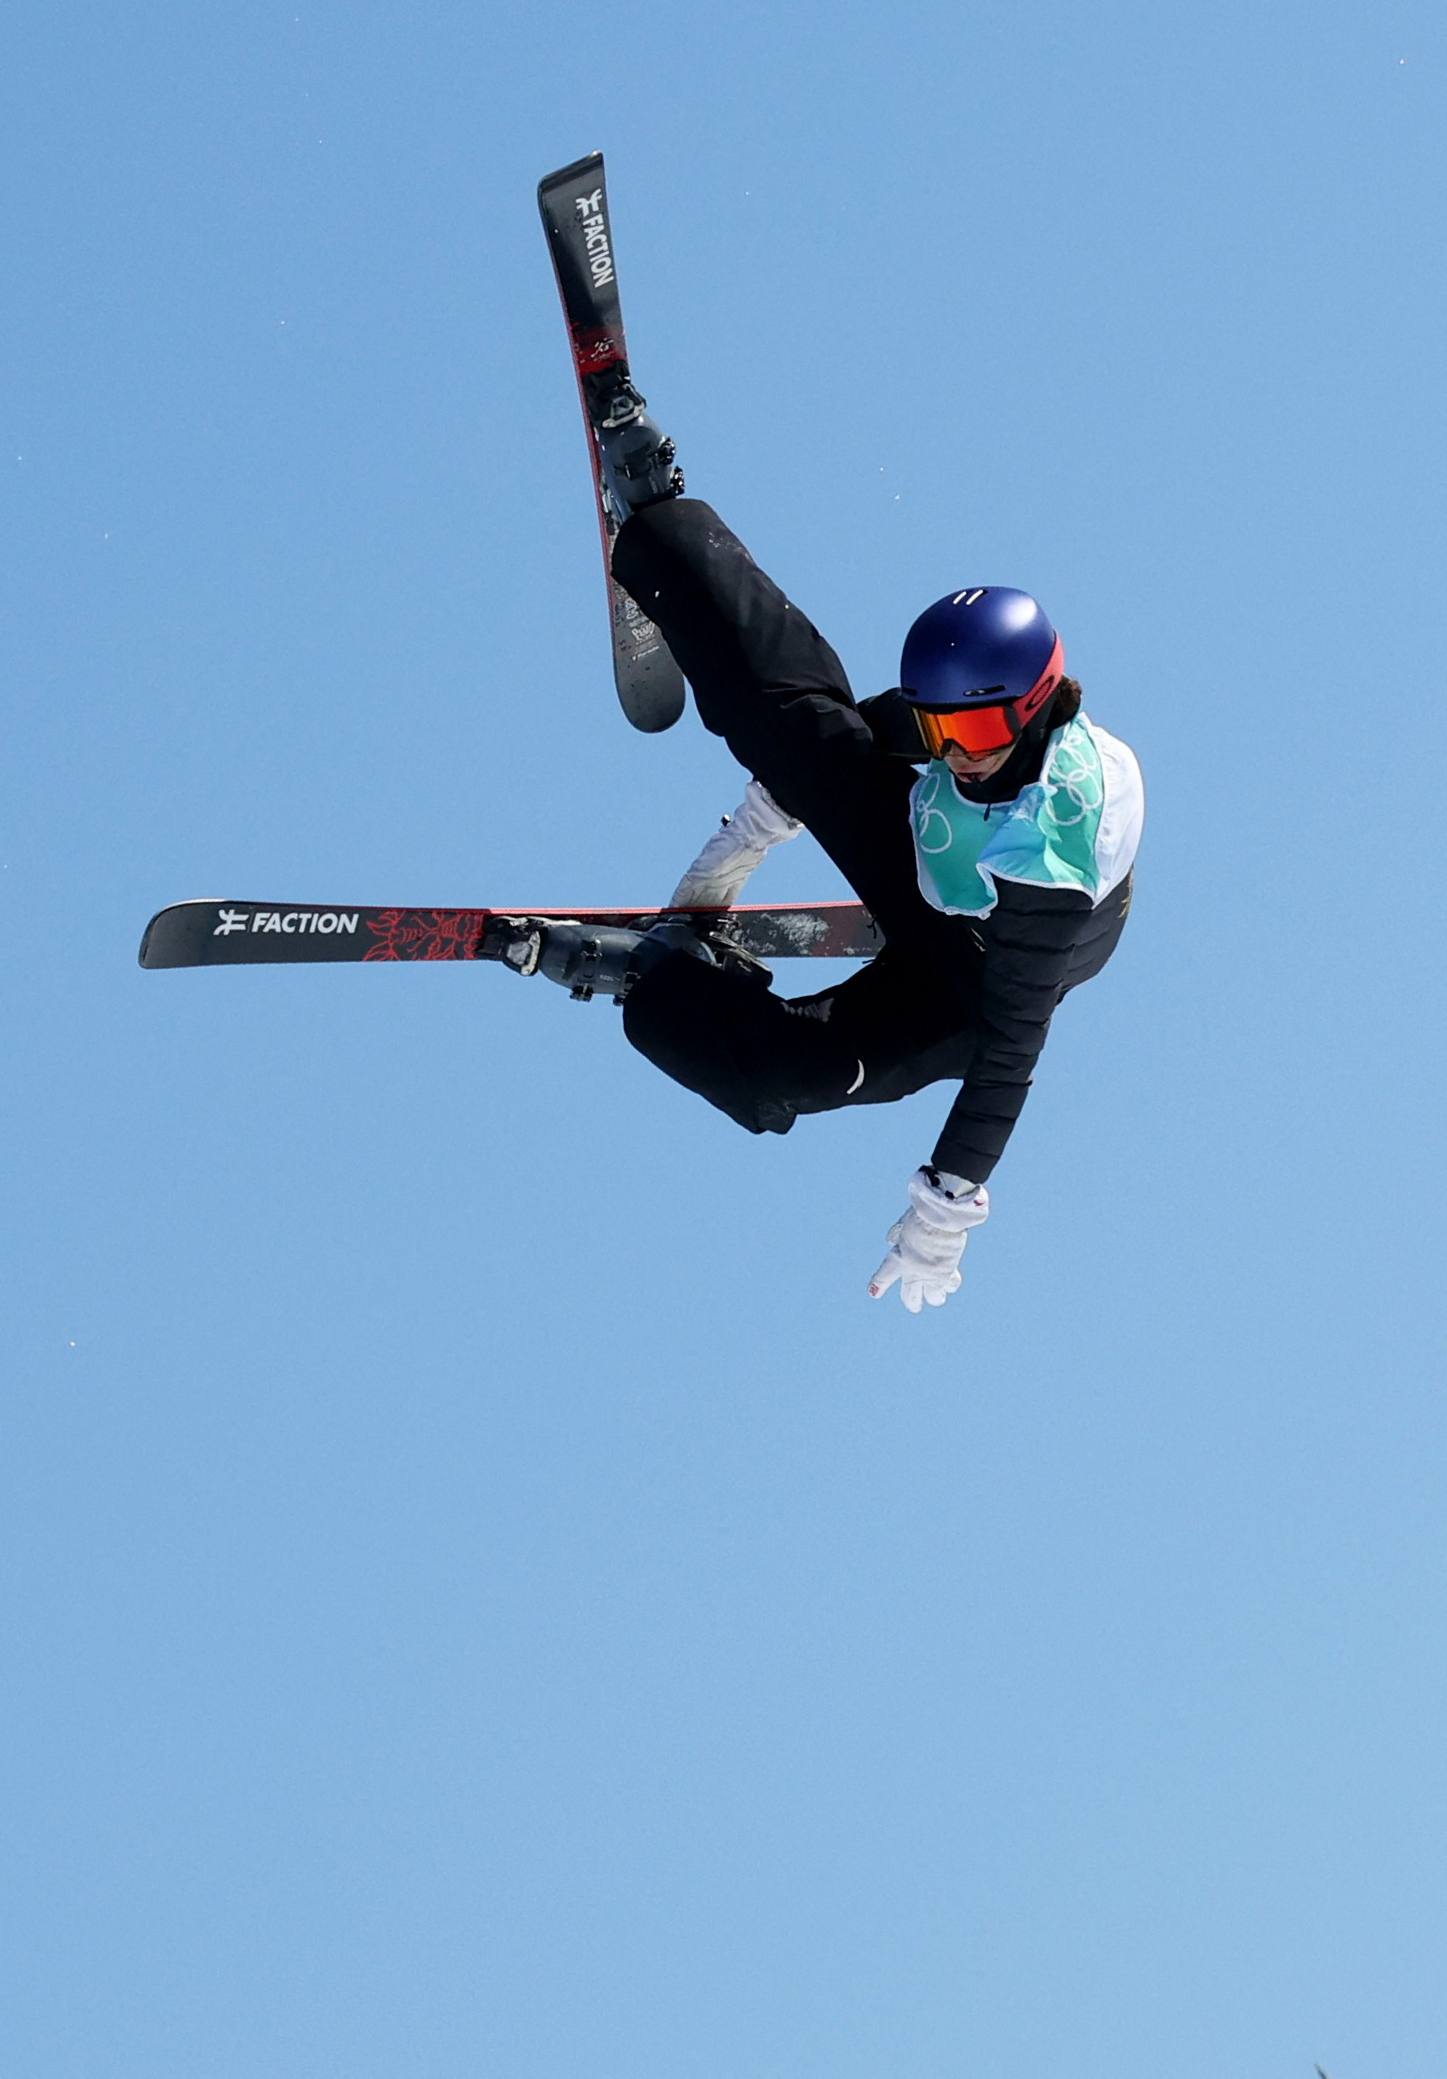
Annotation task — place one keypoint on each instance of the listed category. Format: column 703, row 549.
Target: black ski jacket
column 1035, row 944
column 949, row 997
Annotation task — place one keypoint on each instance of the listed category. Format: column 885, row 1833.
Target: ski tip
column 591, row 162
column 652, row 721
column 650, row 689
column 152, row 949
column 161, row 937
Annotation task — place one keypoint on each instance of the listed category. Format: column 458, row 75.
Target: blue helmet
column 988, row 646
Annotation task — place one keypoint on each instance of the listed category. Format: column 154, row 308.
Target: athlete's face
column 964, row 767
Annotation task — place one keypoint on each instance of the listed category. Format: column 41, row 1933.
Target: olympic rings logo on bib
column 1076, row 775
column 927, row 793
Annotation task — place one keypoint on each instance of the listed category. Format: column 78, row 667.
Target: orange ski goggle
column 976, row 730
column 980, row 730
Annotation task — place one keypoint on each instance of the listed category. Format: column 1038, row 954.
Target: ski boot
column 702, row 938
column 587, row 958
column 637, row 455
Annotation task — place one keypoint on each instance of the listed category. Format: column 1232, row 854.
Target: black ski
column 224, row 934
column 574, row 205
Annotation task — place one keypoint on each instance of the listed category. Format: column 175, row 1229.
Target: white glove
column 925, row 1247
column 718, row 874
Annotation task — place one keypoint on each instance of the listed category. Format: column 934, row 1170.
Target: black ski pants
column 765, row 681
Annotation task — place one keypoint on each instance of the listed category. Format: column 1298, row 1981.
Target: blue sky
column 484, row 1590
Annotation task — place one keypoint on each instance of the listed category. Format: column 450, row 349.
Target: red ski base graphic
column 228, row 934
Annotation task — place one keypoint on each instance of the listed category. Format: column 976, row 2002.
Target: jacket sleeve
column 1028, row 943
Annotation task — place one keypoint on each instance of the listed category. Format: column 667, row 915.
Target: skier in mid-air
column 1000, row 876
column 995, row 880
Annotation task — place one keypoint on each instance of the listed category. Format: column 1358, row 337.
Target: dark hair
column 1066, row 704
